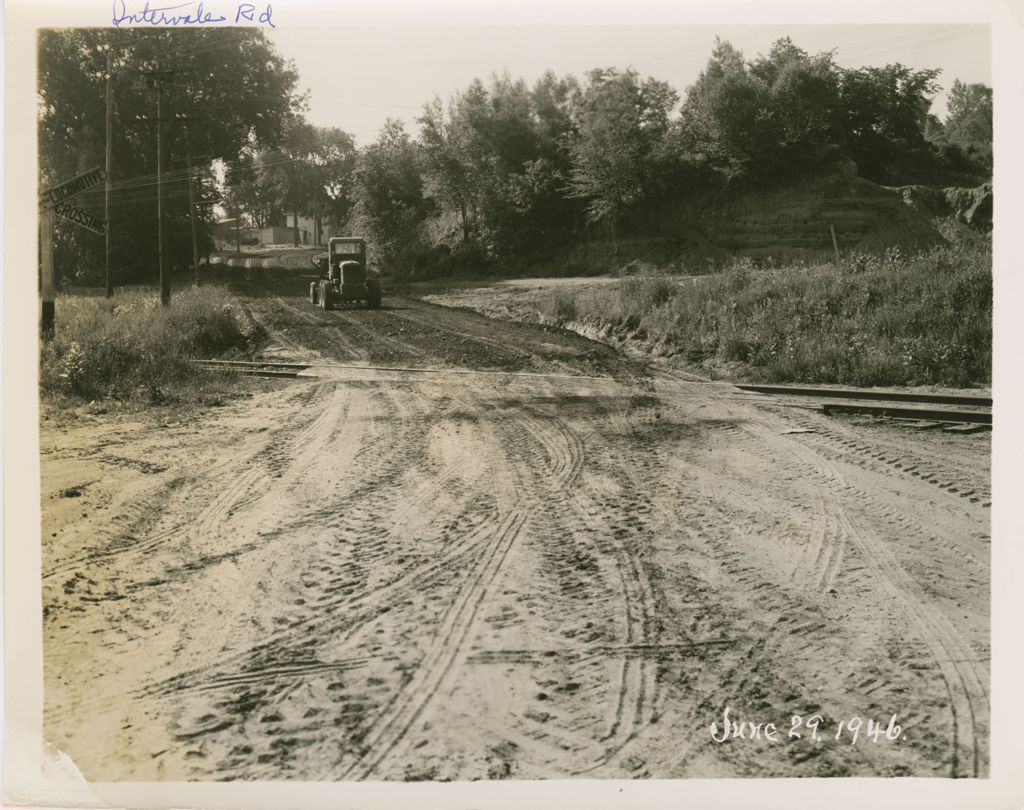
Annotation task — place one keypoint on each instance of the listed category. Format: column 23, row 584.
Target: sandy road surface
column 562, row 567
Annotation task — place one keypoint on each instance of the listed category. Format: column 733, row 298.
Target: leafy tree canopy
column 221, row 91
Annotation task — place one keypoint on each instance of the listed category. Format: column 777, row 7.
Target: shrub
column 130, row 346
column 563, row 307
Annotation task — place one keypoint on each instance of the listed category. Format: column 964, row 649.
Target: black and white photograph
column 454, row 403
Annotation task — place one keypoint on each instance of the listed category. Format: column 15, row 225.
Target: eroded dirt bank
column 562, row 567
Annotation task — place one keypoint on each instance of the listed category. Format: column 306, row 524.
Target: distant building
column 225, row 229
column 232, row 230
column 229, row 230
column 284, row 234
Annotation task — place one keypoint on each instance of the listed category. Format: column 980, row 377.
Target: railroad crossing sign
column 55, row 199
column 75, row 185
column 79, row 217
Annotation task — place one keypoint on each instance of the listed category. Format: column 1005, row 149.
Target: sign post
column 55, row 201
column 46, row 273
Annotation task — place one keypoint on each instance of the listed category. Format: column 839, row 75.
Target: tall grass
column 886, row 319
column 130, row 347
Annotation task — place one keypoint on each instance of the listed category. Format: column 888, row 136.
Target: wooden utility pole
column 46, row 272
column 165, row 281
column 238, row 231
column 106, row 192
column 156, row 77
column 192, row 216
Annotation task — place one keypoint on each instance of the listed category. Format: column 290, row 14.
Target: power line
column 861, row 55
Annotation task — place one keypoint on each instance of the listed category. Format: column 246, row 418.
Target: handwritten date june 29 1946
column 814, row 727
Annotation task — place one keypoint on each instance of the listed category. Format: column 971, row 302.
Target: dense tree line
column 509, row 169
column 503, row 169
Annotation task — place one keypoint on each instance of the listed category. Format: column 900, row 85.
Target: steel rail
column 870, row 394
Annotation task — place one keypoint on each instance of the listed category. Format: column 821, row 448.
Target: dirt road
column 533, row 560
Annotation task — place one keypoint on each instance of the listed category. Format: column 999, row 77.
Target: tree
column 446, row 159
column 620, row 124
column 804, row 98
column 235, row 72
column 725, row 114
column 784, row 52
column 390, row 206
column 494, row 162
column 309, row 171
column 334, row 162
column 885, row 112
column 244, row 191
column 286, row 171
column 969, row 121
column 778, row 114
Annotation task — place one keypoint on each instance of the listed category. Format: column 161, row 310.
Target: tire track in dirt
column 552, row 457
column 360, row 606
column 786, row 624
column 635, row 690
column 435, row 324
column 374, row 467
column 633, row 459
column 276, row 334
column 966, row 686
column 388, row 735
column 687, row 493
column 348, row 349
column 374, row 336
column 227, row 499
column 391, row 728
column 191, row 536
column 288, row 441
column 489, row 545
column 640, row 477
column 893, row 457
column 817, row 565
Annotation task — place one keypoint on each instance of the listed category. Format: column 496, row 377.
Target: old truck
column 344, row 277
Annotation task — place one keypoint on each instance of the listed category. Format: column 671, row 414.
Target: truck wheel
column 326, row 297
column 373, row 295
column 312, row 293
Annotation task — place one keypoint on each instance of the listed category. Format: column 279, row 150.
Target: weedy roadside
column 131, row 352
column 869, row 319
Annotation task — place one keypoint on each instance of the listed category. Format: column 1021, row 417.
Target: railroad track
column 256, row 368
column 870, row 394
column 266, row 368
column 968, row 413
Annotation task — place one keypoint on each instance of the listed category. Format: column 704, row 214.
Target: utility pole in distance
column 109, row 161
column 165, row 282
column 156, row 78
column 192, row 217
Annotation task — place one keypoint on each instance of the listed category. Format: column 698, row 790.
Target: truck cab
column 345, row 276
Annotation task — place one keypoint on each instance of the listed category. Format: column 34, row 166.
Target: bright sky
column 358, row 77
